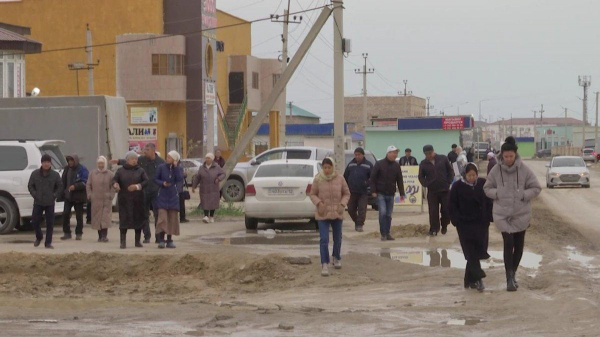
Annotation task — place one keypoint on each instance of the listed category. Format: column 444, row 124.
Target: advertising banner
column 412, row 187
column 145, row 115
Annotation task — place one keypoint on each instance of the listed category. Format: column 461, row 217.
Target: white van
column 18, row 159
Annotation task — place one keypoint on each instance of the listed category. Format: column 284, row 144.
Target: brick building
column 383, row 107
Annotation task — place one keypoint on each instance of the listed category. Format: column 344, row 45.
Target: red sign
column 453, row 123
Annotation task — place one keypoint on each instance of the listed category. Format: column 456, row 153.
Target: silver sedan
column 567, row 171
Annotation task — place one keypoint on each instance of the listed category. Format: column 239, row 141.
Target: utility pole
column 511, row 125
column 535, row 133
column 566, row 138
column 596, row 131
column 291, row 105
column 585, row 82
column 364, row 72
column 338, row 83
column 284, row 61
column 542, row 115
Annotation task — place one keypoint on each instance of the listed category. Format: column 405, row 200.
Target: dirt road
column 224, row 281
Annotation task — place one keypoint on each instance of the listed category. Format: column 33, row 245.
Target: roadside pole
column 338, row 84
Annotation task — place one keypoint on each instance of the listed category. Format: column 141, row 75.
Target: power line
column 165, row 36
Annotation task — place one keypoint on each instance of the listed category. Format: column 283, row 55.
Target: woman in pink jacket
column 330, row 194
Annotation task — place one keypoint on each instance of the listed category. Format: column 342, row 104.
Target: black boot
column 138, row 237
column 123, row 240
column 100, row 236
column 480, row 286
column 161, row 240
column 104, row 235
column 515, row 278
column 510, row 281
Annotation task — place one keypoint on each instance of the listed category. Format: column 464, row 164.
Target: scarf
column 323, row 177
column 103, row 160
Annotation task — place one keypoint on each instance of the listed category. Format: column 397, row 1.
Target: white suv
column 19, row 159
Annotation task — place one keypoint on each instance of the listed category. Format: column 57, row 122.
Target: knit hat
column 175, row 155
column 359, row 150
column 427, row 148
column 46, row 157
column 210, row 155
column 130, row 154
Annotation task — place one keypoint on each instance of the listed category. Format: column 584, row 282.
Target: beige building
column 383, row 107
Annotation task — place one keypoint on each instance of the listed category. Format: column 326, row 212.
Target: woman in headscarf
column 208, row 178
column 491, row 161
column 512, row 185
column 470, row 213
column 330, row 193
column 168, row 176
column 100, row 193
column 129, row 181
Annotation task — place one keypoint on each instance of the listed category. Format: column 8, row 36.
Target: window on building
column 254, row 80
column 167, row 64
column 155, row 64
column 276, row 78
column 11, row 80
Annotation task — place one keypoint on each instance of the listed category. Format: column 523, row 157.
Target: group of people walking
column 466, row 200
column 144, row 183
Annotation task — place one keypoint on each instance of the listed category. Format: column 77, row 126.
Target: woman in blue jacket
column 168, row 176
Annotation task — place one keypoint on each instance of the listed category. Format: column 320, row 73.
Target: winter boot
column 100, row 236
column 138, row 237
column 161, row 240
column 480, row 286
column 515, row 278
column 123, row 240
column 170, row 243
column 104, row 235
column 510, row 281
column 78, row 237
column 67, row 236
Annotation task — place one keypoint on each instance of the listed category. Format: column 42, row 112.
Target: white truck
column 88, row 126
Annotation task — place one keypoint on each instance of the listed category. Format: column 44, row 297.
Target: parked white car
column 19, row 159
column 567, row 171
column 190, row 169
column 243, row 172
column 280, row 190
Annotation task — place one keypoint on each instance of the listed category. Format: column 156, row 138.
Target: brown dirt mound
column 406, row 231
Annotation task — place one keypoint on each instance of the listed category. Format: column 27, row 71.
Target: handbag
column 185, row 193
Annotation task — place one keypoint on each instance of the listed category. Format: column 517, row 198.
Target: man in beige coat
column 101, row 193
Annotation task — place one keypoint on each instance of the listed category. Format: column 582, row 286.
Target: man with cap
column 357, row 175
column 452, row 155
column 150, row 161
column 385, row 176
column 74, row 180
column 408, row 160
column 45, row 186
column 436, row 174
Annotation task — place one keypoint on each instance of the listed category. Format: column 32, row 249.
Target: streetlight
column 458, row 108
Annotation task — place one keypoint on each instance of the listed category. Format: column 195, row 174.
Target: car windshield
column 285, row 170
column 588, row 151
column 568, row 162
column 58, row 159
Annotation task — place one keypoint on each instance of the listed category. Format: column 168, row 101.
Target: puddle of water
column 265, row 238
column 454, row 258
column 461, row 322
column 20, row 241
column 583, row 260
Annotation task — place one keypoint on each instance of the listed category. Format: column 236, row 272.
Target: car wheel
column 549, row 186
column 234, row 190
column 270, row 221
column 251, row 223
column 9, row 217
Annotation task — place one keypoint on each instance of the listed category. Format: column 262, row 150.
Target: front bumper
column 569, row 180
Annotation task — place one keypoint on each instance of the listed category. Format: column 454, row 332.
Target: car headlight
column 555, row 174
column 584, row 174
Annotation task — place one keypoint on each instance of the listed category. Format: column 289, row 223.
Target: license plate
column 280, row 191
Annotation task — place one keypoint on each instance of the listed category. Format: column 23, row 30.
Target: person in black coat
column 45, row 185
column 74, row 179
column 129, row 181
column 452, row 155
column 470, row 212
column 408, row 159
column 357, row 175
column 436, row 174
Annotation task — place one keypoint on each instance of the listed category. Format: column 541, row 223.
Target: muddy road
column 222, row 280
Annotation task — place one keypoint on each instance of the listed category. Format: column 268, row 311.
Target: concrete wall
column 238, row 41
column 61, row 23
column 383, row 107
column 135, row 81
column 301, row 120
column 265, row 69
column 379, row 140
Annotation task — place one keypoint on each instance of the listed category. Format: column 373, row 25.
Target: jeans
column 336, row 226
column 148, row 201
column 386, row 207
column 78, row 215
column 357, row 208
column 37, row 218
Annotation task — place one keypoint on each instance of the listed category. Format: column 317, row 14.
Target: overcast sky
column 518, row 54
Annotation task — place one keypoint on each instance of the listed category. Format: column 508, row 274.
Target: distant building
column 382, row 107
column 523, row 127
column 297, row 115
column 13, row 47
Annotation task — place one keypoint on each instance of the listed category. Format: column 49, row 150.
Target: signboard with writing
column 145, row 115
column 412, row 187
column 142, row 133
column 453, row 123
column 209, row 94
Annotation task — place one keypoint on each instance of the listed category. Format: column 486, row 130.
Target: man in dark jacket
column 436, row 174
column 408, row 160
column 150, row 161
column 385, row 176
column 44, row 186
column 452, row 155
column 357, row 176
column 74, row 178
column 218, row 159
